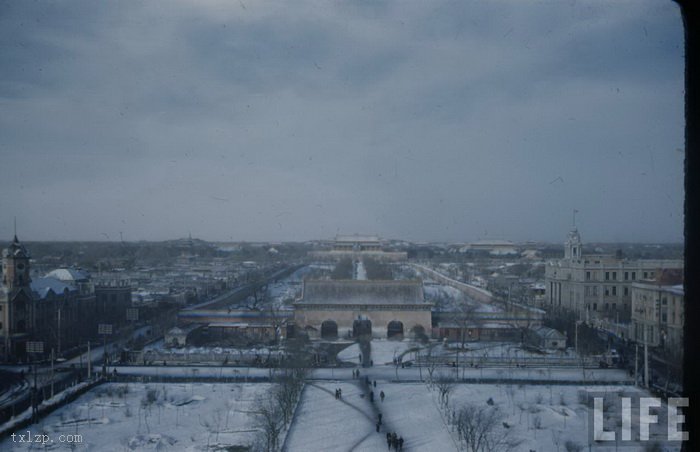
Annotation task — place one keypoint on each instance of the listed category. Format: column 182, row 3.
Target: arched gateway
column 362, row 307
column 329, row 330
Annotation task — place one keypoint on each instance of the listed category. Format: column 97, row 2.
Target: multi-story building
column 658, row 312
column 16, row 302
column 60, row 310
column 597, row 285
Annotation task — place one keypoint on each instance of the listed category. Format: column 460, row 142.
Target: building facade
column 356, row 247
column 658, row 314
column 16, row 302
column 596, row 286
column 333, row 308
column 61, row 309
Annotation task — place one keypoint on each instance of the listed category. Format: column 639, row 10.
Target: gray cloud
column 419, row 120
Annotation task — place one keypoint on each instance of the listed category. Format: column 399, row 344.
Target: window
column 607, row 276
column 614, row 290
column 627, row 276
column 588, row 276
column 664, row 301
column 664, row 318
column 607, row 291
column 646, row 275
column 614, row 306
column 595, row 306
column 614, row 276
column 626, row 291
column 634, row 276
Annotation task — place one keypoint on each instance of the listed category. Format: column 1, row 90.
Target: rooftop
column 362, row 292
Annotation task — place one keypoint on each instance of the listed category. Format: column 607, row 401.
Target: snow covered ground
column 383, row 351
column 183, row 417
column 450, row 298
column 202, row 416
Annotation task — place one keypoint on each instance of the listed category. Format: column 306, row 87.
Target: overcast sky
column 419, row 120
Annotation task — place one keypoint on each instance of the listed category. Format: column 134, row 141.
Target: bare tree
column 430, row 364
column 445, row 385
column 270, row 422
column 465, row 317
column 482, row 430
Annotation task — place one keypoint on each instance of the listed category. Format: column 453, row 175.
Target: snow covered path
column 324, row 423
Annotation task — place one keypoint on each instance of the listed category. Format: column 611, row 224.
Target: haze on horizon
column 267, row 121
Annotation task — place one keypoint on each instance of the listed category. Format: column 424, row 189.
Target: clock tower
column 16, row 306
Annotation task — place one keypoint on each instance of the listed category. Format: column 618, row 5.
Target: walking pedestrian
column 340, row 393
column 400, row 442
column 371, row 396
column 388, row 440
column 381, row 395
column 375, row 383
column 380, row 417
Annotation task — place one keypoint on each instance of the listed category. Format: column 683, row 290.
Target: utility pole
column 636, row 363
column 52, row 372
column 89, row 362
column 59, row 331
column 646, row 359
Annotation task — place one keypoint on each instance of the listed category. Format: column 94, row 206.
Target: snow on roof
column 547, row 333
column 362, row 292
column 69, row 274
column 356, row 238
column 42, row 287
column 493, row 243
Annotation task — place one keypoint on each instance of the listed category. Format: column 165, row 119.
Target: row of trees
column 276, row 408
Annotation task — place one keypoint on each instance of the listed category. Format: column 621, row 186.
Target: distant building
column 345, row 308
column 356, row 247
column 492, row 247
column 597, row 285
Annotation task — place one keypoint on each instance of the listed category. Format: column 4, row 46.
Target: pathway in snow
column 360, row 272
column 323, row 423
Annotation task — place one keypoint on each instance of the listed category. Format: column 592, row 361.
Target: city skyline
column 434, row 122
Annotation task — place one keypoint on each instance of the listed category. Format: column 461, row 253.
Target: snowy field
column 182, row 417
column 543, row 418
column 186, row 417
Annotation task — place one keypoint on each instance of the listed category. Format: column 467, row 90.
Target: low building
column 476, row 331
column 177, row 336
column 545, row 338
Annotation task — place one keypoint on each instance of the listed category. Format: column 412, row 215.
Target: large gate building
column 348, row 308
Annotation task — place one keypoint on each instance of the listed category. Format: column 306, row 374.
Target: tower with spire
column 16, row 305
column 573, row 245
